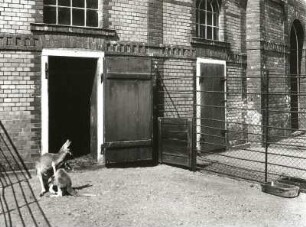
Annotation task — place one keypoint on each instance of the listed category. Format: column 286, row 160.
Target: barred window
column 71, row 12
column 207, row 19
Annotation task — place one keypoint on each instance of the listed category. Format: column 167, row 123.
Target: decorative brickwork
column 19, row 42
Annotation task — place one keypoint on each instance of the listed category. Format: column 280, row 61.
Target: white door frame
column 199, row 94
column 46, row 53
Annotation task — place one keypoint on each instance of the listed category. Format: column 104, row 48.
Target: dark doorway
column 296, row 47
column 70, row 86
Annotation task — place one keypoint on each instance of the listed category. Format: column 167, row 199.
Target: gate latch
column 103, row 148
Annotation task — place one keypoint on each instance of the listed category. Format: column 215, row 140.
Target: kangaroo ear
column 65, row 145
column 68, row 142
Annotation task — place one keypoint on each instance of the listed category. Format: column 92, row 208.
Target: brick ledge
column 51, row 28
column 196, row 41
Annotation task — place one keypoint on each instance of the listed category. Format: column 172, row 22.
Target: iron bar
column 266, row 77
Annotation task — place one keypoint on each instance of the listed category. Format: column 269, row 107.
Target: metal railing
column 18, row 203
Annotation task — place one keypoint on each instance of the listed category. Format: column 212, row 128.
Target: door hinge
column 102, row 149
column 102, row 75
column 47, row 70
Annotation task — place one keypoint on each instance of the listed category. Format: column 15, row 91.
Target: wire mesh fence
column 18, row 203
column 245, row 126
column 265, row 139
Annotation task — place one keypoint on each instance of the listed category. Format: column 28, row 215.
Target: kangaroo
column 62, row 180
column 47, row 164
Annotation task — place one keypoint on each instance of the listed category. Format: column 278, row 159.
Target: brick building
column 47, row 44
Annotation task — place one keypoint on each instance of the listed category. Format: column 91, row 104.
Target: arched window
column 207, row 21
column 296, row 48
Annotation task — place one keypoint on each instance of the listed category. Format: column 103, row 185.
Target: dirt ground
column 151, row 196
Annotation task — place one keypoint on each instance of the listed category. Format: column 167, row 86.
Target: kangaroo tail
column 87, row 195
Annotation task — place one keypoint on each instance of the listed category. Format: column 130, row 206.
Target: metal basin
column 280, row 189
column 301, row 183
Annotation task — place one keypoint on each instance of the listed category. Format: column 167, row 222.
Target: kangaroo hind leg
column 42, row 184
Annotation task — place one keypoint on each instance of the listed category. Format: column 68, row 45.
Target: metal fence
column 253, row 128
column 18, row 203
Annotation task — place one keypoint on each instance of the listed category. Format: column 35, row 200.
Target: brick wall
column 19, row 100
column 274, row 22
column 178, row 88
column 155, row 22
column 276, row 58
column 130, row 19
column 177, row 22
column 247, row 29
column 275, row 63
column 234, row 24
column 235, row 34
column 16, row 16
column 236, row 104
column 254, row 29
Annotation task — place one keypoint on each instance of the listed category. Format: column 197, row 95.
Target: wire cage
column 250, row 132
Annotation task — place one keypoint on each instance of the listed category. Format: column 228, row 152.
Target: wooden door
column 128, row 110
column 212, row 107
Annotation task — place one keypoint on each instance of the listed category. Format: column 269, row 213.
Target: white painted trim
column 46, row 53
column 44, row 107
column 72, row 53
column 198, row 94
column 100, row 111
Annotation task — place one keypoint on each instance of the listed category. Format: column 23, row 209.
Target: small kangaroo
column 47, row 164
column 62, row 180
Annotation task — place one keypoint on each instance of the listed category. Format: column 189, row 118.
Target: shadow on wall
column 18, row 204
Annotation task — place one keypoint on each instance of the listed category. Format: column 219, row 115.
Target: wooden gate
column 128, row 110
column 175, row 142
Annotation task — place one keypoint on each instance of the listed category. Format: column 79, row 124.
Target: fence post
column 160, row 124
column 266, row 123
column 194, row 149
column 156, row 101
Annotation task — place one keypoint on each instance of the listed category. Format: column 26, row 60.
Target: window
column 71, row 12
column 207, row 21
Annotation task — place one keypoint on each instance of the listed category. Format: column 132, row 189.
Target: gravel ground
column 151, row 196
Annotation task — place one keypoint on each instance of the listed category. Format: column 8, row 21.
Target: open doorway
column 296, row 47
column 70, row 88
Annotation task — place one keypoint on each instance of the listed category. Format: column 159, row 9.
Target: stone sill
column 196, row 41
column 281, row 2
column 52, row 28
